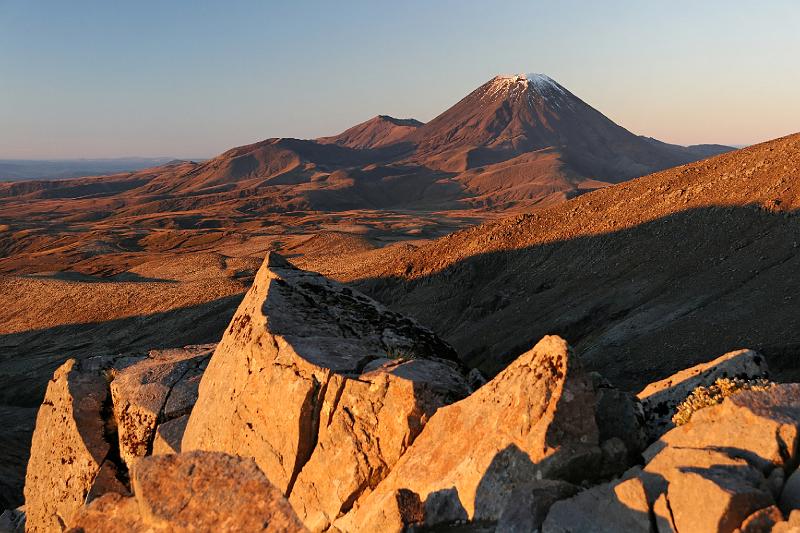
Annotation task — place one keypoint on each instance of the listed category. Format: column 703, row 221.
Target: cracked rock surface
column 198, row 491
column 721, row 471
column 534, row 420
column 159, row 388
column 69, row 447
column 98, row 416
column 311, row 376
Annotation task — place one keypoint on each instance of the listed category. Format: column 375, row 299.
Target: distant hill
column 27, row 169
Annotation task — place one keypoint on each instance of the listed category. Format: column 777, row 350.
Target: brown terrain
column 507, row 224
column 322, row 410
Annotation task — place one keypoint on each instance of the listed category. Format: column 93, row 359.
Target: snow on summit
column 531, row 84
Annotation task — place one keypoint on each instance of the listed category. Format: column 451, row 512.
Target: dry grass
column 702, row 397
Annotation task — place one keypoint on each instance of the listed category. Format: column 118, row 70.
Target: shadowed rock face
column 535, row 419
column 323, row 386
column 198, row 491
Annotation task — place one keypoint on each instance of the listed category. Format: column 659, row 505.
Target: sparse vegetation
column 702, row 396
column 404, row 354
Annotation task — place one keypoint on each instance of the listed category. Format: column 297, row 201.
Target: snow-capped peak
column 534, row 85
column 543, row 82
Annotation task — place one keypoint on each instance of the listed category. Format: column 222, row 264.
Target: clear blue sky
column 193, row 78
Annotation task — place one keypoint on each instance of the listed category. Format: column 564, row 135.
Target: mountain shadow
column 637, row 304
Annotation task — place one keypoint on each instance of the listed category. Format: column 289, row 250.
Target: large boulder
column 198, row 491
column 762, row 427
column 715, row 473
column 366, row 426
column 70, row 447
column 157, row 389
column 98, row 415
column 661, row 398
column 534, row 420
column 706, row 489
column 324, row 387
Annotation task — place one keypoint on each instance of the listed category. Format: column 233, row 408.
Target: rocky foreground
column 322, row 410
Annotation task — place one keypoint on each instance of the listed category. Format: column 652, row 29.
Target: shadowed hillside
column 643, row 278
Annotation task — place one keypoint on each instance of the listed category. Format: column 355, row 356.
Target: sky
column 193, row 78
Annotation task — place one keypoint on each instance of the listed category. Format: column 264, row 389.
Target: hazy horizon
column 190, row 80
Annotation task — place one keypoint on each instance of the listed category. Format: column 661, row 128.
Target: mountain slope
column 514, row 144
column 509, row 115
column 374, row 133
column 644, row 277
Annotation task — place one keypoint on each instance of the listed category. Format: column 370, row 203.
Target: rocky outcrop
column 159, row 388
column 661, row 398
column 169, row 435
column 322, row 386
column 198, row 491
column 366, row 425
column 721, row 471
column 535, row 420
column 99, row 415
column 70, row 446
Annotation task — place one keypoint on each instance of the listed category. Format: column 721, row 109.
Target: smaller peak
column 399, row 121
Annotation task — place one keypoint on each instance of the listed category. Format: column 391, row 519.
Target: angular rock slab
column 302, row 362
column 661, row 398
column 160, row 387
column 533, row 420
column 762, row 427
column 198, row 491
column 714, row 470
column 68, row 449
column 606, row 508
column 366, row 426
column 705, row 490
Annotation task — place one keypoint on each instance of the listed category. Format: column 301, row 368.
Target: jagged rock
column 706, row 490
column 365, row 426
column 762, row 427
column 169, row 434
column 302, row 380
column 157, row 388
column 402, row 506
column 714, row 470
column 70, row 443
column 534, row 420
column 475, row 379
column 528, row 505
column 790, row 496
column 606, row 508
column 713, row 474
column 198, row 491
column 762, row 521
column 661, row 398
